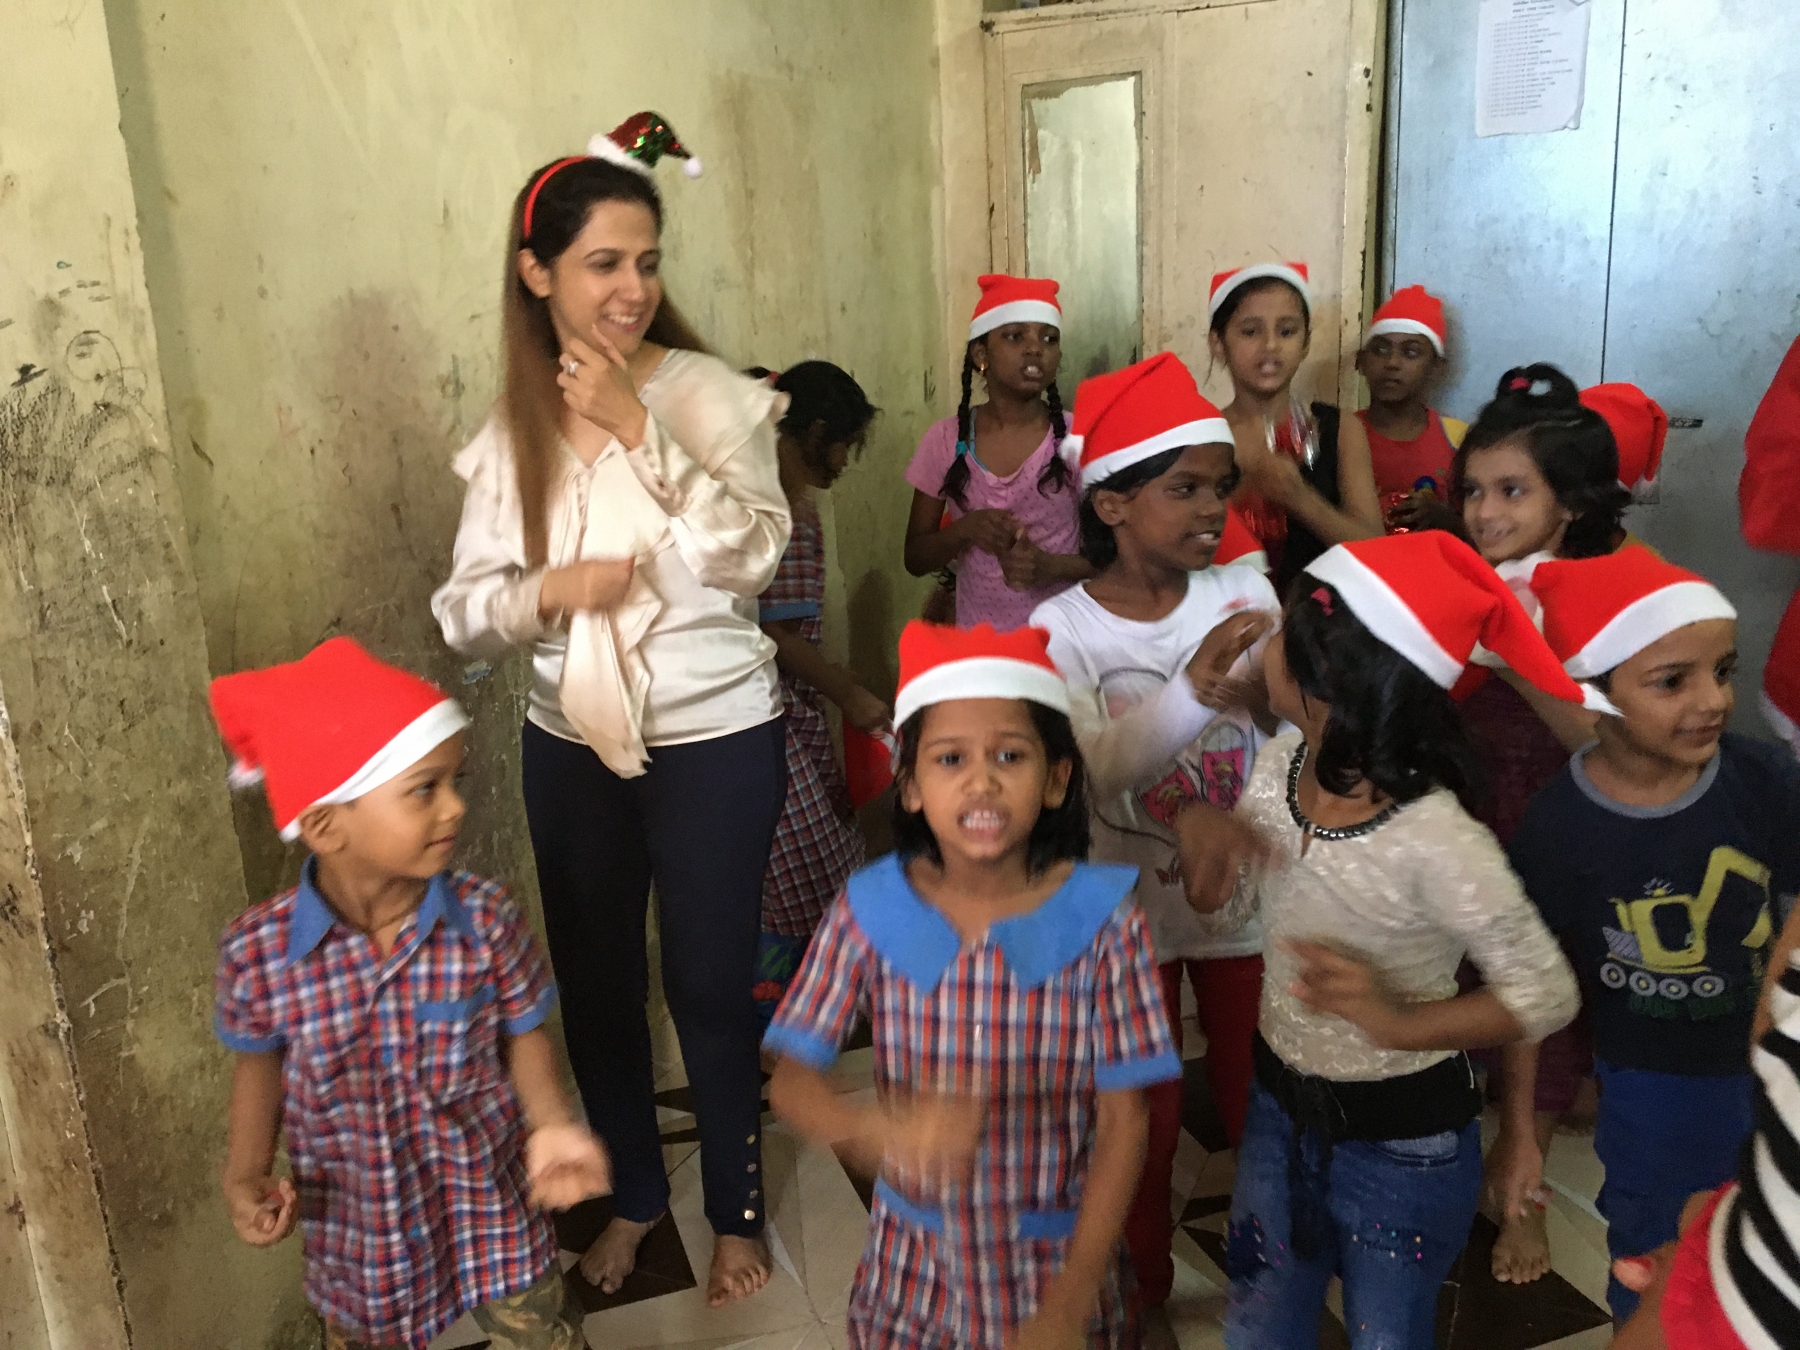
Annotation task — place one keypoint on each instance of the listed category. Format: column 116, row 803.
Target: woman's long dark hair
column 1058, row 833
column 1571, row 445
column 1053, row 477
column 1390, row 724
column 530, row 400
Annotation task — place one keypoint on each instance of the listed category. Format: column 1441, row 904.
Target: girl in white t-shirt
column 1168, row 711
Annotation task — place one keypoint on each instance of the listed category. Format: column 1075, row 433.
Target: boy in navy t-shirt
column 1664, row 857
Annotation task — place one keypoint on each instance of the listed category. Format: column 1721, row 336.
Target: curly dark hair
column 1571, row 445
column 1053, row 477
column 1059, row 833
column 1390, row 724
column 1098, row 544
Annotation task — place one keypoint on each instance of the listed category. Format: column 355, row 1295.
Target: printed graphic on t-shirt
column 1212, row 769
column 1658, row 947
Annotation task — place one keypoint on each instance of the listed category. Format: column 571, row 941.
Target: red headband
column 537, row 187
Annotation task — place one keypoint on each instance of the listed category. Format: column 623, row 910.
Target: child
column 1662, row 856
column 1015, row 1014
column 1734, row 1281
column 389, row 1013
column 991, row 494
column 1410, row 443
column 1163, row 719
column 1307, row 479
column 1361, row 1153
column 817, row 844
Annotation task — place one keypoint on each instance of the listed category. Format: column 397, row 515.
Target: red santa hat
column 1414, row 310
column 1129, row 415
column 1224, row 283
column 1239, row 544
column 1431, row 598
column 939, row 663
column 1601, row 612
column 1007, row 300
column 1639, row 427
column 1781, row 677
column 330, row 727
column 1769, row 486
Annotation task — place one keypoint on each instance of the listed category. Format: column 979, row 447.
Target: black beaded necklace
column 1329, row 833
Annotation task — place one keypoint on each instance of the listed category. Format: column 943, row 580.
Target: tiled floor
column 819, row 1215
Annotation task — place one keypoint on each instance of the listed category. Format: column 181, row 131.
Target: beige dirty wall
column 118, row 865
column 324, row 188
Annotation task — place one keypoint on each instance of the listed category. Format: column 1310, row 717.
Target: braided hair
column 1055, row 475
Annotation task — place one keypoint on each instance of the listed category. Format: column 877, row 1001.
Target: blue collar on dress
column 313, row 917
column 920, row 943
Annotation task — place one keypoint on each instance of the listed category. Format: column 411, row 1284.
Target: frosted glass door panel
column 1082, row 171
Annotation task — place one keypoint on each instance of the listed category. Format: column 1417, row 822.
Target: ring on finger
column 571, row 365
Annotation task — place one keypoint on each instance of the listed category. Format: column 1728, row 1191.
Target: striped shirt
column 402, row 1128
column 1755, row 1235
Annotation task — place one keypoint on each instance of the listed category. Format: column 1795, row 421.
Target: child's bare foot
column 614, row 1254
column 1522, row 1251
column 740, row 1266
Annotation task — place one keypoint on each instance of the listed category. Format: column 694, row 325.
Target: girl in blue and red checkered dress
column 817, row 844
column 1016, row 1018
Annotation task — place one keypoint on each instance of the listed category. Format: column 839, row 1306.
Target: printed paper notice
column 1530, row 66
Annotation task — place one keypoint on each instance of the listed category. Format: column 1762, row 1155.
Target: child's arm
column 1515, row 1166
column 931, row 546
column 1331, row 982
column 927, row 1139
column 564, row 1160
column 1025, row 566
column 1359, row 517
column 1121, row 1130
column 1785, row 948
column 795, row 656
column 262, row 1209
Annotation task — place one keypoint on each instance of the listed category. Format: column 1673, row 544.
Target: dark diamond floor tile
column 1477, row 1312
column 662, row 1265
column 1204, row 1206
column 1199, row 1115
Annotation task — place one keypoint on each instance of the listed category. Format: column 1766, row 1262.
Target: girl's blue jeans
column 1398, row 1215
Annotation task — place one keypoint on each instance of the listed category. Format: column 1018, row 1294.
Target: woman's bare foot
column 614, row 1254
column 1522, row 1250
column 740, row 1266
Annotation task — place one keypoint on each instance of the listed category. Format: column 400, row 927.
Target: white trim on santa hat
column 1410, row 327
column 982, row 677
column 414, row 741
column 1014, row 311
column 1257, row 272
column 1645, row 620
column 1207, row 431
column 1385, row 614
column 602, row 146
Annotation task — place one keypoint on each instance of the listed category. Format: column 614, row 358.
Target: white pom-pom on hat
column 691, row 166
column 243, row 776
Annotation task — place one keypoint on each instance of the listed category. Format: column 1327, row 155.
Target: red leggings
column 1227, row 996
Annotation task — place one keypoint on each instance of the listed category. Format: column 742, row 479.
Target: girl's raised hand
column 1208, row 670
column 1215, row 846
column 1346, row 986
column 929, row 1138
column 597, row 385
column 1024, row 565
column 990, row 530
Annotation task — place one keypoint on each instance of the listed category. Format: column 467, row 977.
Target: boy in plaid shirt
column 390, row 1013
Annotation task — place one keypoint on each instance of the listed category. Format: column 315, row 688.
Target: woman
column 624, row 510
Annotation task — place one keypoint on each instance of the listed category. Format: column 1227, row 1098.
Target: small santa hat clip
column 1639, row 427
column 330, row 727
column 1224, row 283
column 1411, row 310
column 639, row 141
column 1431, row 598
column 1129, row 415
column 1601, row 612
column 1007, row 300
column 939, row 663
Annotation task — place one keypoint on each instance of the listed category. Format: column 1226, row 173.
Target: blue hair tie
column 962, row 448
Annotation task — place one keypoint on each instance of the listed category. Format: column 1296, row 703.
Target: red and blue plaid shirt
column 1035, row 1018
column 401, row 1122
